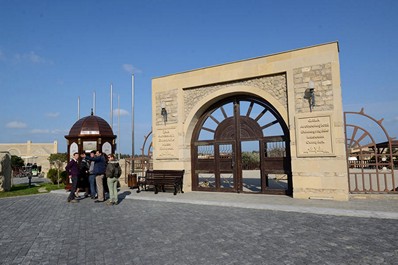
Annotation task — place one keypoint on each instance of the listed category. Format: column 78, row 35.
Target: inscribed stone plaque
column 314, row 136
column 167, row 143
column 89, row 145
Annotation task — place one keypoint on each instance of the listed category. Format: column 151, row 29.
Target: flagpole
column 118, row 125
column 132, row 123
column 78, row 108
column 94, row 102
column 111, row 107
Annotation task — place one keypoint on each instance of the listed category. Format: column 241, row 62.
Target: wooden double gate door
column 241, row 144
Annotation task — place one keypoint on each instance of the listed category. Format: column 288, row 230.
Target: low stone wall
column 5, row 171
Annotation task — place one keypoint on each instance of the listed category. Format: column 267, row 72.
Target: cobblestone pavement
column 45, row 229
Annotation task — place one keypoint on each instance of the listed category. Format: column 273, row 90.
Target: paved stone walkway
column 45, row 229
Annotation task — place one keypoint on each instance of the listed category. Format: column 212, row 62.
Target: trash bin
column 132, row 181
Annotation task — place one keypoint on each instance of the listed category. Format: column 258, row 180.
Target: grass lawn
column 24, row 189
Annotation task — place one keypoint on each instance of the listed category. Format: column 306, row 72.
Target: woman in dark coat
column 82, row 182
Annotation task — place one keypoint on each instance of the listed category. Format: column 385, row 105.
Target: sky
column 53, row 52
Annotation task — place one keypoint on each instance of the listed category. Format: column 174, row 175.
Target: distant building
column 32, row 152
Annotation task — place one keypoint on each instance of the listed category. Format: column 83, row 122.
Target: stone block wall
column 321, row 75
column 170, row 102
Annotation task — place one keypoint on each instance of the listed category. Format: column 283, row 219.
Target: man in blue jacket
column 99, row 172
column 72, row 169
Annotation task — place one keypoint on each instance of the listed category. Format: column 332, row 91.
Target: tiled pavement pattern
column 45, row 229
column 384, row 207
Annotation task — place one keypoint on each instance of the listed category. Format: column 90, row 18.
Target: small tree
column 63, row 157
column 250, row 160
column 58, row 160
column 16, row 162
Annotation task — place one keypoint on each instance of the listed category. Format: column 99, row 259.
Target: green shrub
column 52, row 175
column 63, row 176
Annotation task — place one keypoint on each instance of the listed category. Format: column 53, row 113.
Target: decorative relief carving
column 274, row 85
column 314, row 136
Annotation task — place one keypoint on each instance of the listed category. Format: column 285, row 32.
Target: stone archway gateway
column 271, row 124
column 241, row 144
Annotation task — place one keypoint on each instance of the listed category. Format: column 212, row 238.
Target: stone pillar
column 55, row 147
column 5, row 171
column 29, row 148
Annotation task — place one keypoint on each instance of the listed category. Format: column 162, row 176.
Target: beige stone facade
column 32, row 152
column 317, row 141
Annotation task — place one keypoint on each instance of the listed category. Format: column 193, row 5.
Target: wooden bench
column 159, row 179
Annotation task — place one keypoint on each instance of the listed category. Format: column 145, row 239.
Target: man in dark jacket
column 72, row 169
column 99, row 172
column 82, row 183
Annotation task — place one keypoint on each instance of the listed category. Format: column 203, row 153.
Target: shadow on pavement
column 123, row 195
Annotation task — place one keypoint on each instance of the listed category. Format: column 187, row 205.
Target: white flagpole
column 94, row 102
column 132, row 122
column 111, row 107
column 78, row 108
column 118, row 125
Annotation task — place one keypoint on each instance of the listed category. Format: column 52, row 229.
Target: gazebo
column 91, row 133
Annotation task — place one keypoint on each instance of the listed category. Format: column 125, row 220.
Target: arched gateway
column 272, row 124
column 241, row 144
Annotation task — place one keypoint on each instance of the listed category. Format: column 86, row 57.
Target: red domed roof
column 91, row 125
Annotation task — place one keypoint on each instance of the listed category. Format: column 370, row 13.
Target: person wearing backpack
column 113, row 172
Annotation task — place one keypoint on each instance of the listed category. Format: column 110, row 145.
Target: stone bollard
column 5, row 171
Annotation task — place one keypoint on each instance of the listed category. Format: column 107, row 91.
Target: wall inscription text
column 314, row 136
column 167, row 142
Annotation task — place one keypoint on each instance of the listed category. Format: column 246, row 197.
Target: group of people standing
column 94, row 174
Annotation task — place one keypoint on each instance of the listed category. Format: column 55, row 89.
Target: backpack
column 118, row 171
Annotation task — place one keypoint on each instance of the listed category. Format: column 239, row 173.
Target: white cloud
column 123, row 112
column 16, row 125
column 48, row 131
column 30, row 57
column 59, row 131
column 52, row 114
column 34, row 58
column 131, row 69
column 39, row 131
